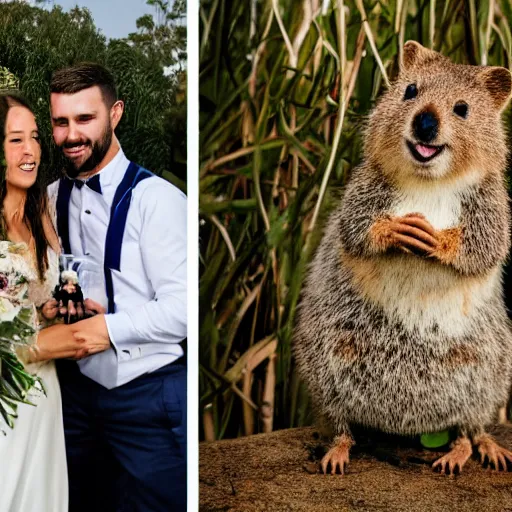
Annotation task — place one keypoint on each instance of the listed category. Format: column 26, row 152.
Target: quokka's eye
column 411, row 92
column 461, row 109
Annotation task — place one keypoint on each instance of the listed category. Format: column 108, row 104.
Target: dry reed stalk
column 208, row 423
column 245, row 398
column 356, row 63
column 225, row 235
column 292, row 57
column 247, row 124
column 398, row 15
column 401, row 34
column 371, row 40
column 253, row 23
column 473, row 21
column 257, row 55
column 487, row 42
column 207, row 23
column 248, row 411
column 246, row 304
column 342, row 36
column 337, row 135
column 302, row 32
column 263, row 353
column 251, row 358
column 268, row 398
column 225, row 314
column 432, row 24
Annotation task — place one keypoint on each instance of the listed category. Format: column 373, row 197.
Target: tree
column 164, row 41
column 35, row 41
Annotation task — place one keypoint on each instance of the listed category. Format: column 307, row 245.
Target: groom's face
column 81, row 128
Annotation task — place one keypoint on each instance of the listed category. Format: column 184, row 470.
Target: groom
column 125, row 406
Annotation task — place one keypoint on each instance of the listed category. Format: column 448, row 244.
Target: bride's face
column 22, row 148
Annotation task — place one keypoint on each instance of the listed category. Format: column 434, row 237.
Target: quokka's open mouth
column 424, row 152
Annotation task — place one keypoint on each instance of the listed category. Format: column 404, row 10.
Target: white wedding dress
column 33, row 470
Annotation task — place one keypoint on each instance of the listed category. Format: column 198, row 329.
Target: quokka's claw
column 338, row 455
column 453, row 462
column 493, row 455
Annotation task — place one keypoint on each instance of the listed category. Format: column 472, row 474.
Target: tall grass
column 285, row 87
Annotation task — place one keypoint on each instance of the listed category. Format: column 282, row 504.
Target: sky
column 115, row 18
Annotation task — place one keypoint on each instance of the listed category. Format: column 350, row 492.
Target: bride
column 33, row 472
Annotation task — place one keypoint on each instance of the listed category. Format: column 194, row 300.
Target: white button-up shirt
column 150, row 290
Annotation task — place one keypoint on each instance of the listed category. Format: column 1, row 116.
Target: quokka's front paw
column 448, row 246
column 411, row 234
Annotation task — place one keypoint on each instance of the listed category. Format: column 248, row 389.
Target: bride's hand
column 50, row 309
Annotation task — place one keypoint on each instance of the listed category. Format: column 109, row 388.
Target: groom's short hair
column 82, row 76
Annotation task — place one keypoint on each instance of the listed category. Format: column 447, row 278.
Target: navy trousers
column 126, row 447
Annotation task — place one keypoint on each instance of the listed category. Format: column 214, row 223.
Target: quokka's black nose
column 425, row 127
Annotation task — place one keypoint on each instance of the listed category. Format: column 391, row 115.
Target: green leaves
column 15, row 384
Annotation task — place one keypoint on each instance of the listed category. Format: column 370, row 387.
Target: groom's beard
column 99, row 149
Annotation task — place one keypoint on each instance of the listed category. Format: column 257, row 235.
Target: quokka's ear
column 498, row 82
column 416, row 55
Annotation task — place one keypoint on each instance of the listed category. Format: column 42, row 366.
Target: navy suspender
column 65, row 188
column 116, row 227
column 115, row 231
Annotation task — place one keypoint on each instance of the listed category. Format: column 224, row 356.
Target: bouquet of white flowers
column 18, row 328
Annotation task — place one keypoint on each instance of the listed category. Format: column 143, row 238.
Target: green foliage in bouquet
column 17, row 330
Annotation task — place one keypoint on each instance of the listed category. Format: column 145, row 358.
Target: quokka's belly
column 419, row 347
column 423, row 294
column 424, row 416
column 410, row 389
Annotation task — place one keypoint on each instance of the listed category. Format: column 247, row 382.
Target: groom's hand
column 71, row 312
column 92, row 333
column 93, row 308
column 74, row 312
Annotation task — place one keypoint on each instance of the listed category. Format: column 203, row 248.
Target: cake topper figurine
column 70, row 297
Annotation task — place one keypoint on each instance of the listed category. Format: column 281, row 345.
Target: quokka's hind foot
column 492, row 454
column 338, row 455
column 454, row 460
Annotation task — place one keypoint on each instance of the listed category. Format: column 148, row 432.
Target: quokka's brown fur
column 402, row 325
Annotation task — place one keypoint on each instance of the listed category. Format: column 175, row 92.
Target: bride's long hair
column 36, row 205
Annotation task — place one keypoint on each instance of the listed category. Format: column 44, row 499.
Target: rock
column 280, row 472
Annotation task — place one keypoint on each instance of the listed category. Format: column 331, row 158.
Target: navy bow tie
column 93, row 183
